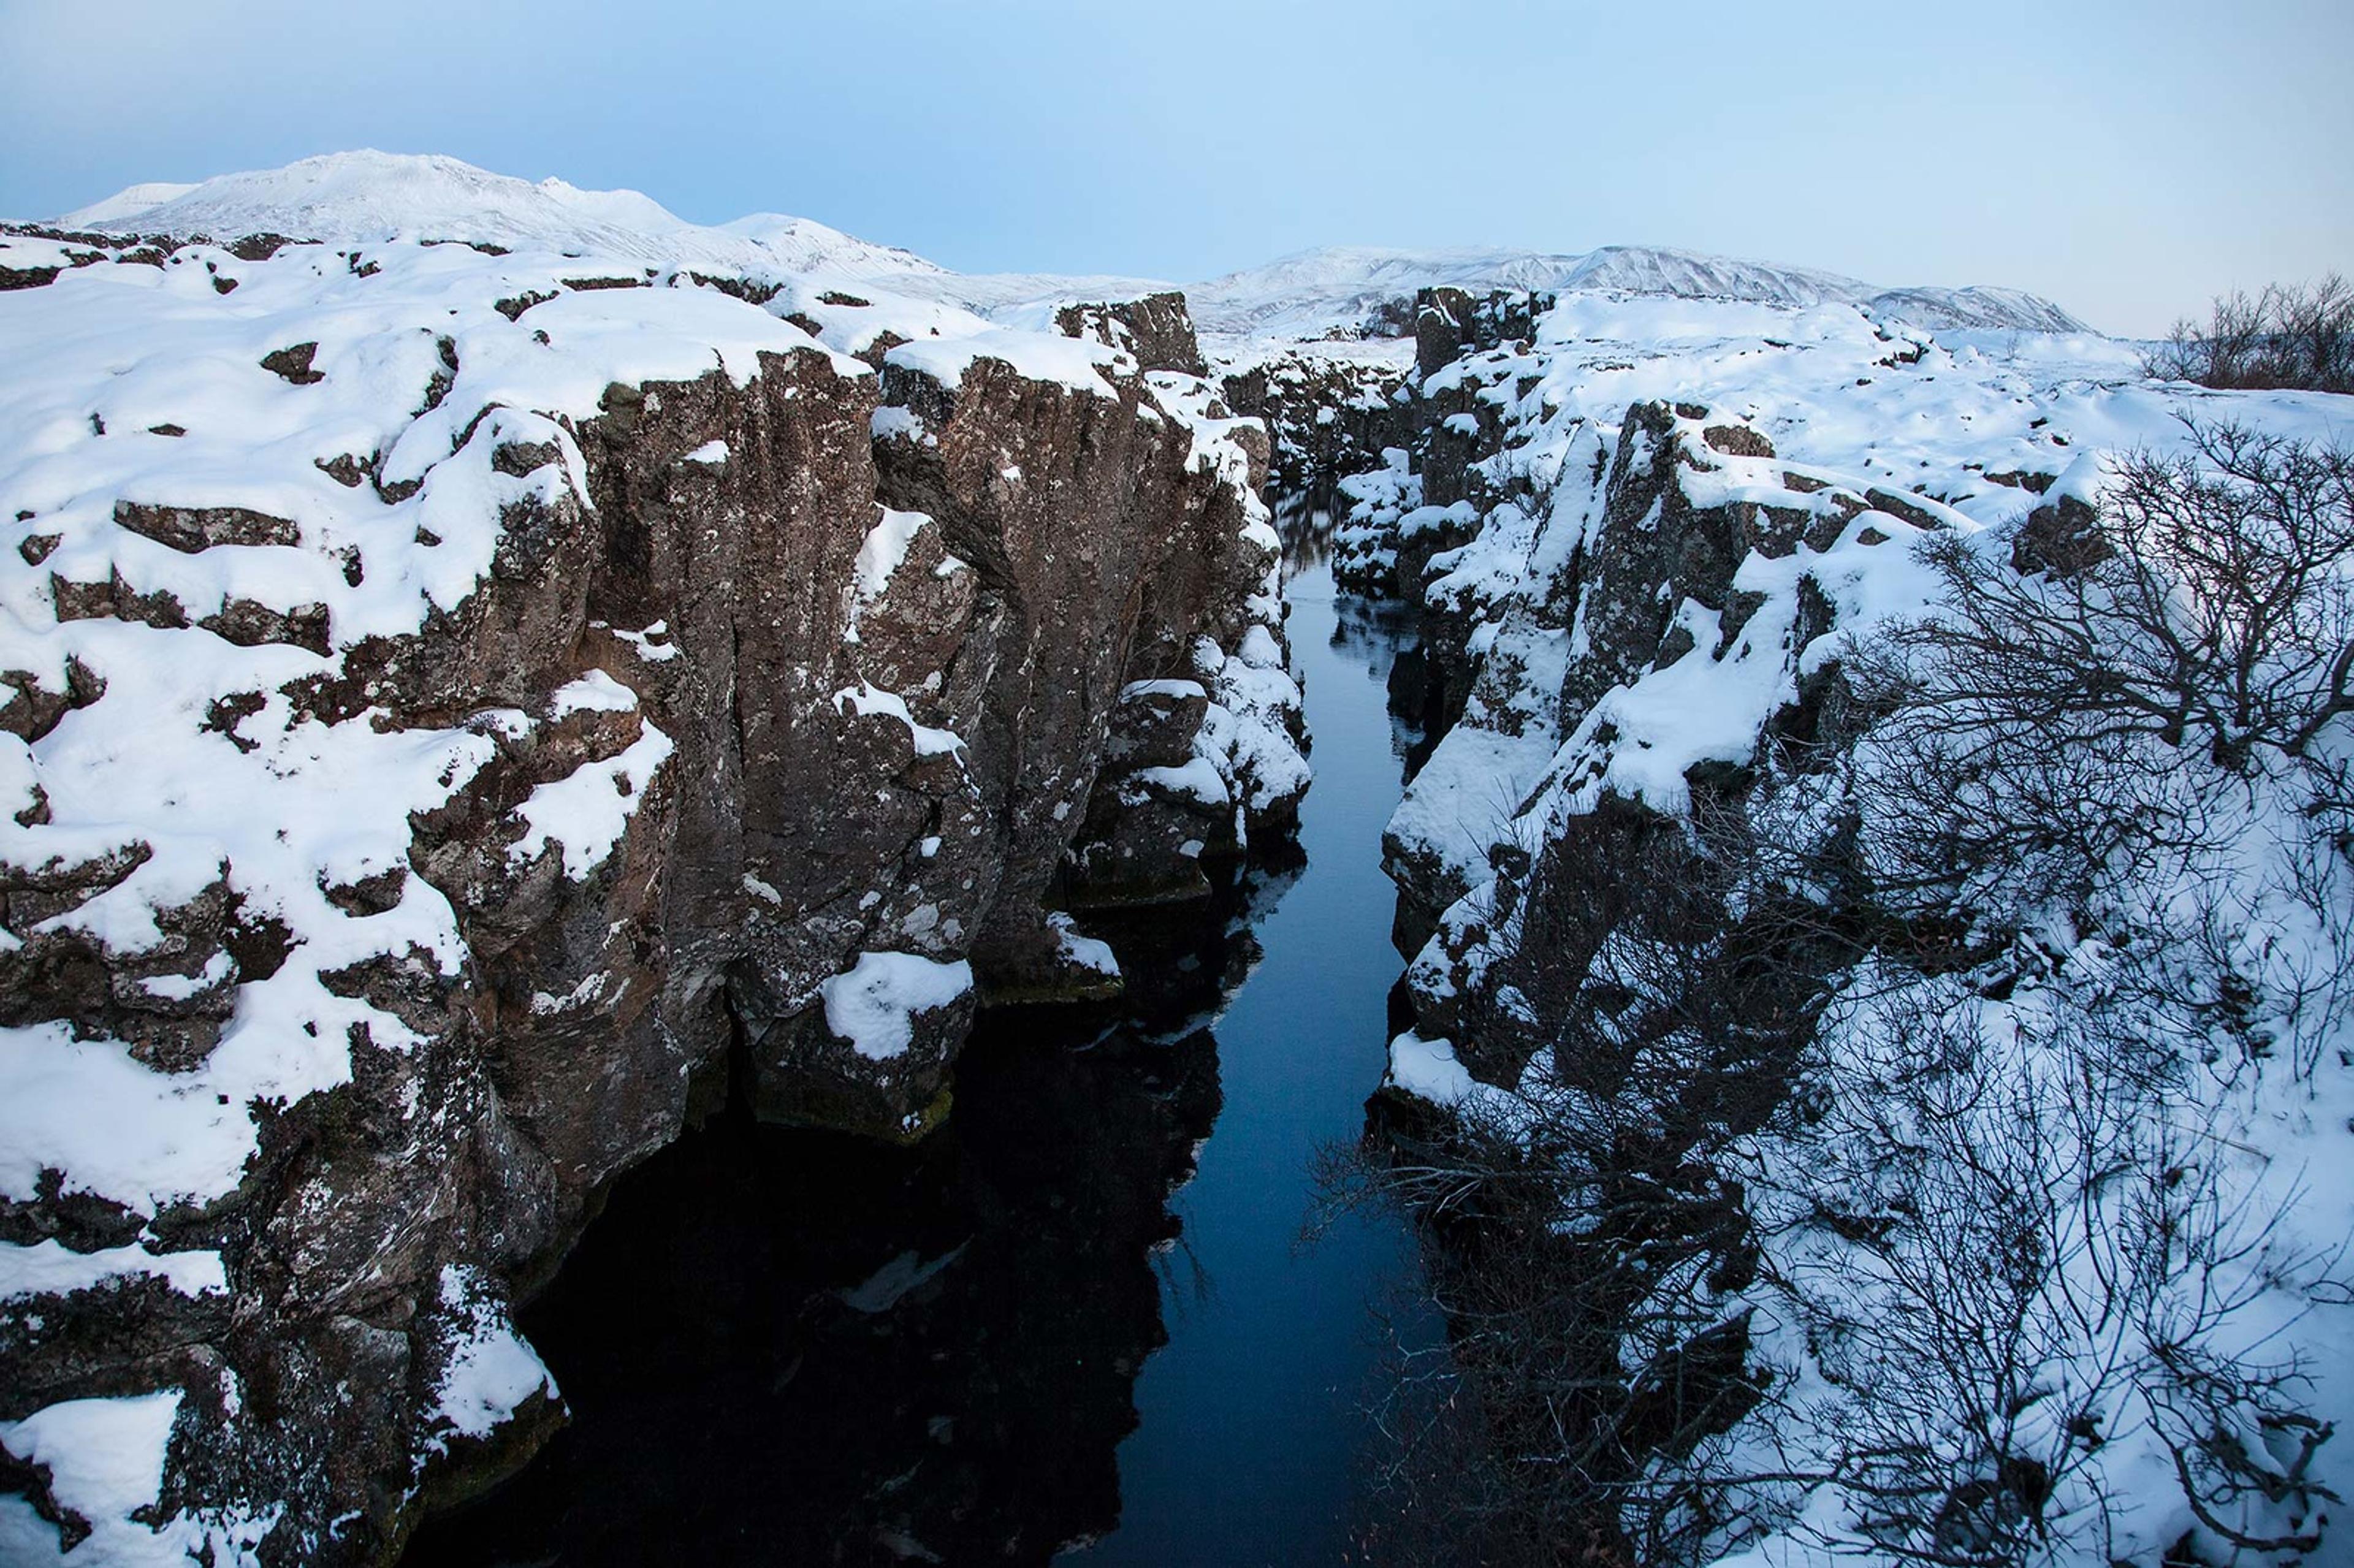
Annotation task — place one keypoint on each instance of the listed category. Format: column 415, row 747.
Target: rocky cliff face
column 466, row 706
column 1332, row 409
column 1672, row 965
column 1567, row 547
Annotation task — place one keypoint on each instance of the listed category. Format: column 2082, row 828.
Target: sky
column 2129, row 160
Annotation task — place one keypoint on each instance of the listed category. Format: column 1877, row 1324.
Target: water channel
column 1015, row 1344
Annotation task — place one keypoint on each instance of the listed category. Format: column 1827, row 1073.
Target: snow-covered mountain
column 372, row 196
column 1311, row 291
column 123, row 203
column 366, row 197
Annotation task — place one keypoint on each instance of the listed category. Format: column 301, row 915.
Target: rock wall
column 1331, row 411
column 466, row 707
column 1156, row 328
column 1727, row 957
column 1559, row 549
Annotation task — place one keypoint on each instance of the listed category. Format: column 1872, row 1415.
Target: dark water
column 1014, row 1343
column 1247, row 1453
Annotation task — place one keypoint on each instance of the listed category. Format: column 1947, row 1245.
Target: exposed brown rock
column 1074, row 547
column 1156, row 328
column 292, row 362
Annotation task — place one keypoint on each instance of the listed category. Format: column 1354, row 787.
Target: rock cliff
column 465, row 708
column 1720, row 945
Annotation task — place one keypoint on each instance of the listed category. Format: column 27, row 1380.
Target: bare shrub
column 2035, row 1257
column 2057, row 732
column 2289, row 335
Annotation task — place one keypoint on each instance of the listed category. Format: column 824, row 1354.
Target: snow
column 590, row 809
column 595, row 692
column 369, row 198
column 880, row 555
column 712, row 454
column 491, row 1372
column 1085, row 952
column 1075, row 363
column 105, row 1458
column 587, row 993
column 1427, row 1069
column 892, row 423
column 1197, row 779
column 180, row 988
column 642, row 641
column 124, row 203
column 1430, row 1071
column 47, row 1267
column 868, row 700
column 885, row 547
column 873, row 1004
column 1175, row 691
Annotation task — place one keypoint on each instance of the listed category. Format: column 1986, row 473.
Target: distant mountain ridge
column 1342, row 285
column 366, row 197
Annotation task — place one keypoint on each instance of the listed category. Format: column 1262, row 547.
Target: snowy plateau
column 479, row 654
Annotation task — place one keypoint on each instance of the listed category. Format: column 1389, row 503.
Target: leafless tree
column 2120, row 700
column 2030, row 1254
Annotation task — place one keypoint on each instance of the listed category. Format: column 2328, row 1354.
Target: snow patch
column 47, row 1267
column 491, row 1371
column 873, row 1004
column 590, row 809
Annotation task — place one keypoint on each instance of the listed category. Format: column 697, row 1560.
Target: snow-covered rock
column 457, row 675
column 1644, row 537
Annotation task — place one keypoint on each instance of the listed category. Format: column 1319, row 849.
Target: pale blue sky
column 2128, row 160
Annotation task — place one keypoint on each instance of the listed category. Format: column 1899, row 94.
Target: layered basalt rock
column 587, row 694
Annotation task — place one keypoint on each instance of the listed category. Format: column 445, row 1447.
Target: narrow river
column 1014, row 1343
column 1252, row 1426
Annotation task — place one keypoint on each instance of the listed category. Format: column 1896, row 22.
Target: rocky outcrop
column 1451, row 323
column 433, row 774
column 1330, row 408
column 1156, row 328
column 1757, row 973
column 1559, row 557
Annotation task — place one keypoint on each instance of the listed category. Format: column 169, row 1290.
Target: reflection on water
column 785, row 1347
column 1252, row 1431
column 1306, row 530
